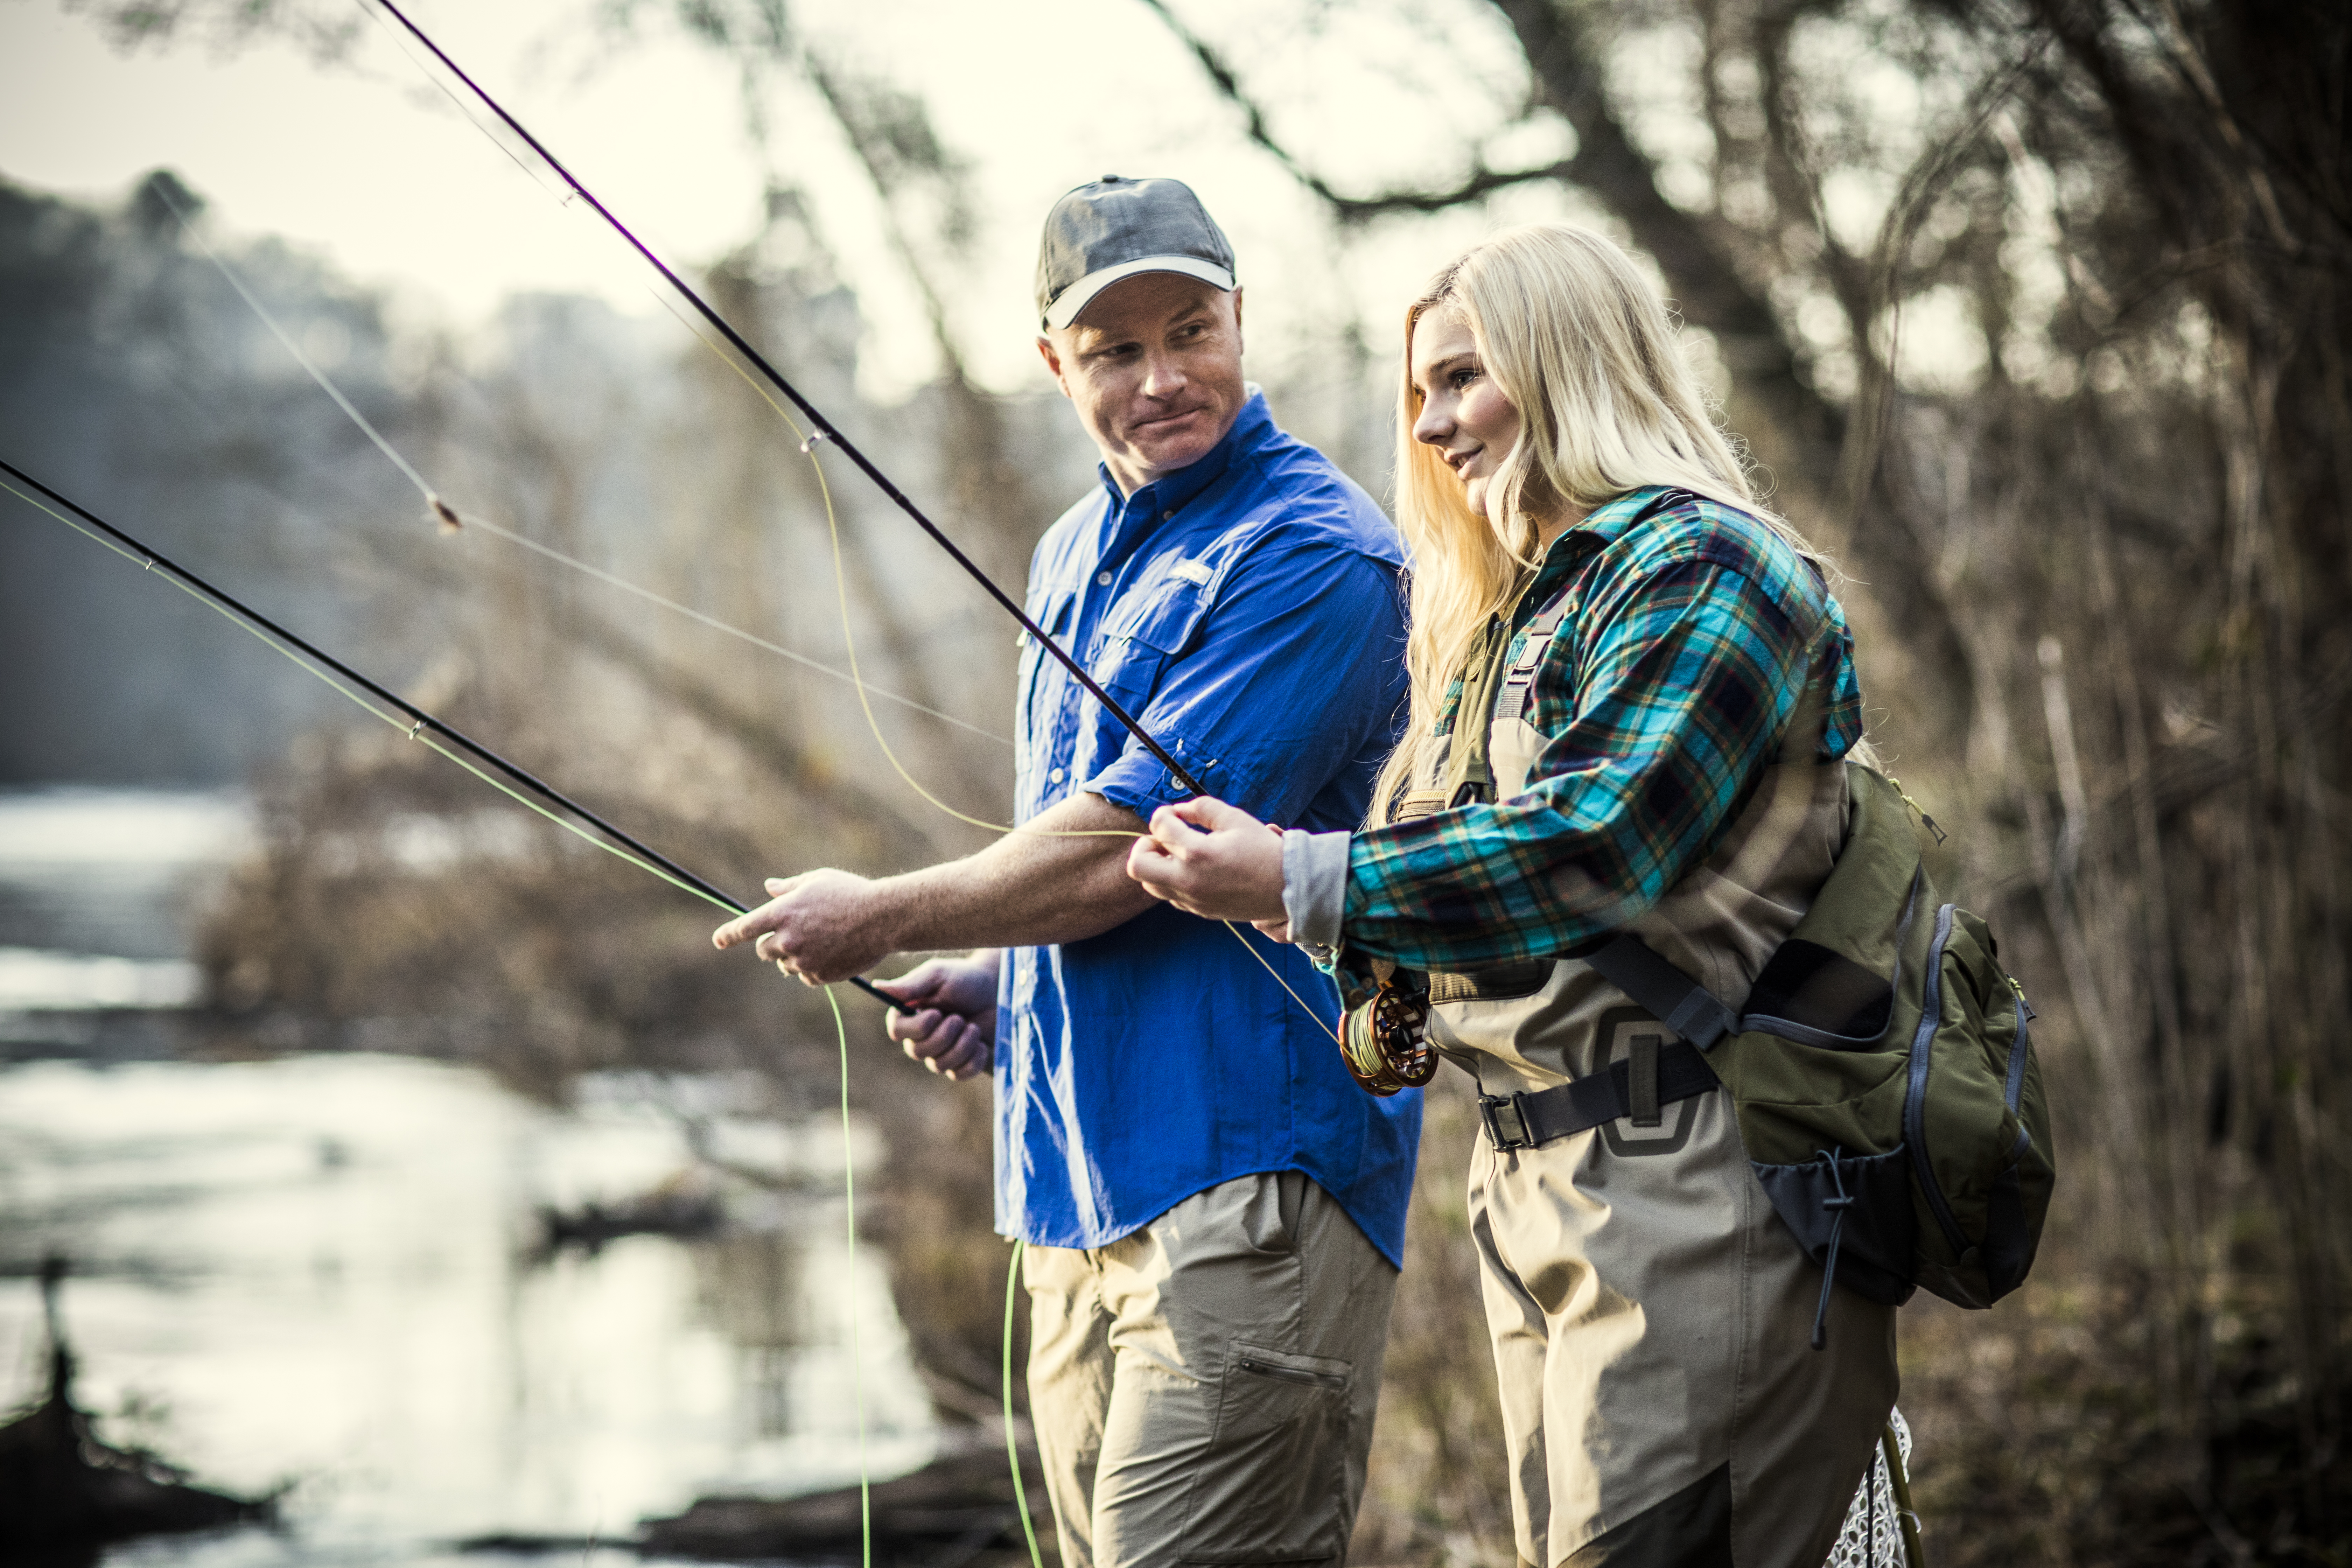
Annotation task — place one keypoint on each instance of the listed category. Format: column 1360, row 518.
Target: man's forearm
column 1029, row 889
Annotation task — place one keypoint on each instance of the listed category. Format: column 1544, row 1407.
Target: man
column 1214, row 1213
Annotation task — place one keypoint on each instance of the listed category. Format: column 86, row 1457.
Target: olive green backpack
column 1882, row 1073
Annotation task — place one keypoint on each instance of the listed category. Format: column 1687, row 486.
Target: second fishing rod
column 826, row 430
column 422, row 721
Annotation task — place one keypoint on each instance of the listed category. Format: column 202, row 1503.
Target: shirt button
column 1056, row 776
column 1166, row 515
column 1103, row 578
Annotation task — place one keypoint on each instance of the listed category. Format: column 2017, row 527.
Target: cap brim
column 1079, row 295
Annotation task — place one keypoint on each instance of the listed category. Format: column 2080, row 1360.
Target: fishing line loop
column 752, row 356
column 451, row 522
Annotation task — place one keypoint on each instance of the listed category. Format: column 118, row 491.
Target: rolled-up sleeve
column 1293, row 668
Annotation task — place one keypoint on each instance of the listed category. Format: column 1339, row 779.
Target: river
column 325, row 1273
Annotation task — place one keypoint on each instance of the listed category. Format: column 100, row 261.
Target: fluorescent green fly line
column 809, row 443
column 1011, row 1446
column 849, row 1283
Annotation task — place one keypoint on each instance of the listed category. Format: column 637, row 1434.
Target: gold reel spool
column 1384, row 1042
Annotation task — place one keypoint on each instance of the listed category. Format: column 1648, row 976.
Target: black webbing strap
column 1524, row 1120
column 1664, row 991
column 1657, row 1075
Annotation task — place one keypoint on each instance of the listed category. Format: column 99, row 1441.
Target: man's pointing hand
column 820, row 926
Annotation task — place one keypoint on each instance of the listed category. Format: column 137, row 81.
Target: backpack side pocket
column 1976, row 1122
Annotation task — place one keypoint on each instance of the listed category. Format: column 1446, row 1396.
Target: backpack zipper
column 1925, row 820
column 2015, row 1087
column 1291, row 1373
column 1915, row 1104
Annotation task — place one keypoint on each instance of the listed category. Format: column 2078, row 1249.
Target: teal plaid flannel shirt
column 1665, row 689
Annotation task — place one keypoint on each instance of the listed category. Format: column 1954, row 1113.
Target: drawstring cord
column 1837, row 1207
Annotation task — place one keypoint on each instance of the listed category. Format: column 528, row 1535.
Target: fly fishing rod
column 825, row 429
column 645, row 855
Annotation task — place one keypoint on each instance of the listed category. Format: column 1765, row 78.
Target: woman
column 1632, row 691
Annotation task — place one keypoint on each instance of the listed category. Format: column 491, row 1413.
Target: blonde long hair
column 1583, row 348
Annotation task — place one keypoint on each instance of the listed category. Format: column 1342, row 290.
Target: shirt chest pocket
column 1148, row 631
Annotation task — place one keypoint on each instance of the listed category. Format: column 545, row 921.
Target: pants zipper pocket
column 1257, row 1368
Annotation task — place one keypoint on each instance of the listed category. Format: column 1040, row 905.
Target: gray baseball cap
column 1117, row 227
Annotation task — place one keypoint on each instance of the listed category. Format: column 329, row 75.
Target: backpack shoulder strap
column 1662, row 991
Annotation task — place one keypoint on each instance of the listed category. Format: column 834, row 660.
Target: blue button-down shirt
column 1248, row 611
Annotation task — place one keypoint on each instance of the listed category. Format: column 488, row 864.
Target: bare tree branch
column 1482, row 181
column 1707, row 286
column 1805, row 430
column 326, row 30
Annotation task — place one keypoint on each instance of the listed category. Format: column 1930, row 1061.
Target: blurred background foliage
column 2033, row 311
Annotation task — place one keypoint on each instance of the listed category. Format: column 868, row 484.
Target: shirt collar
column 1172, row 493
column 1601, row 526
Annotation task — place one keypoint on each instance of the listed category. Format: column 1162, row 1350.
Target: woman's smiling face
column 1473, row 426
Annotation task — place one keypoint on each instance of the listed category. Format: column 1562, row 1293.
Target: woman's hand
column 1210, row 858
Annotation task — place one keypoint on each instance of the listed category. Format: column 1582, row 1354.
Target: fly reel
column 1384, row 1040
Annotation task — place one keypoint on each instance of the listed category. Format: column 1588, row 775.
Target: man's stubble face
column 1153, row 365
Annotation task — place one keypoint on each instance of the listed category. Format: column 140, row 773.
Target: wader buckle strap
column 1524, row 1120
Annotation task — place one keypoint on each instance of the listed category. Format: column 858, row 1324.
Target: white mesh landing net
column 1872, row 1536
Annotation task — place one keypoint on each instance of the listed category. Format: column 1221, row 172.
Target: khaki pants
column 1203, row 1388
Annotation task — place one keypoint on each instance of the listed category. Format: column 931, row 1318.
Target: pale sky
column 368, row 165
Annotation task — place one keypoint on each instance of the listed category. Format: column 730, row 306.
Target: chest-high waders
column 1651, row 1317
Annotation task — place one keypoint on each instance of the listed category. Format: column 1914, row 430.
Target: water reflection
column 111, row 872
column 324, row 1271
column 317, row 1270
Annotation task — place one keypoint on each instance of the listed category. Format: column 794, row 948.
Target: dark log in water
column 63, row 1493
column 591, row 1225
column 956, row 1510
